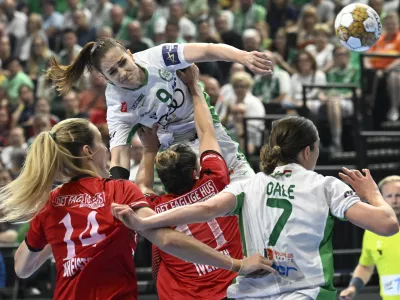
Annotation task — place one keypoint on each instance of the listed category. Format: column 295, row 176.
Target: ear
column 306, row 152
column 195, row 175
column 87, row 151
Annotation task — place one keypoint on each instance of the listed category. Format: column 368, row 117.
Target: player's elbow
column 20, row 270
column 391, row 227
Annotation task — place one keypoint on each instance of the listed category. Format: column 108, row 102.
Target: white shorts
column 347, row 106
column 238, row 166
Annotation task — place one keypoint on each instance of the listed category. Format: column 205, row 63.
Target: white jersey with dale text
column 288, row 218
column 166, row 100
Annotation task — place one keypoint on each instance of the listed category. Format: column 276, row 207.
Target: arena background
column 32, row 31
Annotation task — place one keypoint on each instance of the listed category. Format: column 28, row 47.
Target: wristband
column 357, row 283
column 235, row 269
column 119, row 173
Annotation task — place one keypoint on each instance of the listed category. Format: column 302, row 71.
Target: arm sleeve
column 213, row 165
column 339, row 195
column 128, row 193
column 168, row 56
column 237, row 189
column 366, row 258
column 36, row 239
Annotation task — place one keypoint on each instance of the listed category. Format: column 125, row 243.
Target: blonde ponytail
column 50, row 157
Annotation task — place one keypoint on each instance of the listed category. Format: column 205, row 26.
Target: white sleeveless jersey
column 166, row 100
column 288, row 218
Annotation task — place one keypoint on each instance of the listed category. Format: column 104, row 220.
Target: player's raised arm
column 202, row 116
column 257, row 62
column 145, row 174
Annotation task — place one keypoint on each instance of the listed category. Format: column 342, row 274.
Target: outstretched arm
column 202, row 116
column 257, row 62
column 217, row 206
column 190, row 249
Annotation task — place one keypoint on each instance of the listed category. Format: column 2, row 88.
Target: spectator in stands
column 5, row 51
column 339, row 102
column 227, row 89
column 281, row 14
column 325, row 10
column 5, row 178
column 251, row 40
column 17, row 157
column 307, row 73
column 172, row 32
column 227, row 35
column 70, row 102
column 40, row 123
column 152, row 22
column 137, row 42
column 204, row 33
column 39, row 57
column 284, row 55
column 275, row 88
column 44, row 88
column 23, row 115
column 101, row 13
column 15, row 22
column 196, row 9
column 177, row 13
column 249, row 15
column 42, row 107
column 389, row 43
column 74, row 5
column 377, row 5
column 132, row 8
column 382, row 252
column 305, row 33
column 321, row 49
column 119, row 23
column 16, row 141
column 136, row 157
column 93, row 100
column 245, row 104
column 15, row 79
column 104, row 32
column 84, row 31
column 213, row 89
column 34, row 27
column 70, row 45
column 4, row 128
column 53, row 22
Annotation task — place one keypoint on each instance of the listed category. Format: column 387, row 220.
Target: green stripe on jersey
column 327, row 291
column 239, row 211
column 132, row 133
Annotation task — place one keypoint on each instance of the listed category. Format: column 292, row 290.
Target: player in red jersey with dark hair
column 92, row 250
column 178, row 169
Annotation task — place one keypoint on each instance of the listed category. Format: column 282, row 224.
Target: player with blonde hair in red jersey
column 92, row 249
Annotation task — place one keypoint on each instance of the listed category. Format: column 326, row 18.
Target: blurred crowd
column 297, row 34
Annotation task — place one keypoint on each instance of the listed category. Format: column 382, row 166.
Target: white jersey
column 288, row 218
column 166, row 100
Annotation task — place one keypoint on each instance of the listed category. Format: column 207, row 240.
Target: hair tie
column 52, row 135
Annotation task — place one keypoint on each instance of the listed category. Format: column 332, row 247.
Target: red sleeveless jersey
column 180, row 280
column 93, row 250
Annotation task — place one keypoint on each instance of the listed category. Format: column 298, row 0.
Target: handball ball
column 358, row 27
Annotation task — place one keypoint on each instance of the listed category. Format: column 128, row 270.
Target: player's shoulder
column 211, row 155
column 115, row 94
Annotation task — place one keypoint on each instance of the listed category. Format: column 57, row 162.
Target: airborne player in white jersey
column 286, row 213
column 143, row 89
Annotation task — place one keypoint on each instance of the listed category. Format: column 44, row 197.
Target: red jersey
column 93, row 251
column 178, row 279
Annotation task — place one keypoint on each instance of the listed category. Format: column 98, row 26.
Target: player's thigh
column 292, row 296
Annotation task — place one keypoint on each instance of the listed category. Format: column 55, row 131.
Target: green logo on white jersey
column 165, row 75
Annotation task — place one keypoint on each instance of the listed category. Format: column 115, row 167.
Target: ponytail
column 270, row 158
column 66, row 76
column 52, row 156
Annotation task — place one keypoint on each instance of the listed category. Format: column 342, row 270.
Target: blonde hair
column 388, row 179
column 242, row 77
column 322, row 28
column 53, row 155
